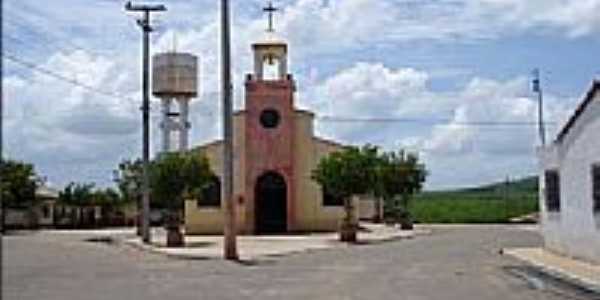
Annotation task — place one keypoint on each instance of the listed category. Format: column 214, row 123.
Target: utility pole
column 506, row 196
column 1, row 121
column 229, row 230
column 537, row 88
column 144, row 24
column 1, row 142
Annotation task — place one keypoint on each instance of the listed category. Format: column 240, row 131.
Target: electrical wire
column 38, row 31
column 335, row 119
column 432, row 122
column 60, row 77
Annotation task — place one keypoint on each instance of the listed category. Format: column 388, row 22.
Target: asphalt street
column 451, row 263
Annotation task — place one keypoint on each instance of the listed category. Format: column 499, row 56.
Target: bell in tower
column 270, row 55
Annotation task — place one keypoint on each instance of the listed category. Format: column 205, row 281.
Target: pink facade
column 269, row 149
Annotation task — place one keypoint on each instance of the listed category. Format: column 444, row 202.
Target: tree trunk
column 3, row 216
column 406, row 222
column 73, row 217
column 175, row 237
column 32, row 218
column 348, row 228
column 138, row 217
column 378, row 217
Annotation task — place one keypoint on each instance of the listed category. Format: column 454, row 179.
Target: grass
column 496, row 203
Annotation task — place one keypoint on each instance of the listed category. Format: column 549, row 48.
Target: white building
column 42, row 215
column 570, row 184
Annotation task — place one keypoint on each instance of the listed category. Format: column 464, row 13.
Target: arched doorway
column 271, row 204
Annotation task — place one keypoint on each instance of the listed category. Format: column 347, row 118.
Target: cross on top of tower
column 270, row 9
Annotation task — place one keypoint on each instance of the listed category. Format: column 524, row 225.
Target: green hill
column 493, row 203
column 527, row 184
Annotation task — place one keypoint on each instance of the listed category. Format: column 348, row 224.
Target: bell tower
column 267, row 55
column 269, row 137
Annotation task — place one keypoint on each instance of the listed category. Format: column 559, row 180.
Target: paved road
column 452, row 263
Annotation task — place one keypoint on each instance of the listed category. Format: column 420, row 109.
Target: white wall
column 574, row 231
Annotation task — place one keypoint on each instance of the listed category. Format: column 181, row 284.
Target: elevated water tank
column 175, row 75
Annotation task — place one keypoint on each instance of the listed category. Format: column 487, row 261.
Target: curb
column 137, row 245
column 155, row 250
column 557, row 273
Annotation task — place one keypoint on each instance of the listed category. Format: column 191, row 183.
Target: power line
column 39, row 32
column 40, row 45
column 445, row 122
column 329, row 119
column 55, row 75
column 20, row 41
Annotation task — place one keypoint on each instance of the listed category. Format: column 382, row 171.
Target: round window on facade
column 270, row 118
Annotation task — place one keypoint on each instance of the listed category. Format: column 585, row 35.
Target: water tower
column 175, row 82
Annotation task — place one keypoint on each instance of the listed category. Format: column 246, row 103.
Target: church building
column 275, row 151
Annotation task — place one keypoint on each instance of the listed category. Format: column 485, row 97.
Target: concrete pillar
column 183, row 123
column 259, row 60
column 166, row 124
column 283, row 67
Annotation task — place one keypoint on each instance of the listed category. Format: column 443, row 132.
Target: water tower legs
column 184, row 123
column 175, row 124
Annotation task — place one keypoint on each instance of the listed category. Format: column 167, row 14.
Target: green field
column 496, row 203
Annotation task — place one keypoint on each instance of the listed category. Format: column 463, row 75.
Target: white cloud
column 66, row 128
column 73, row 134
column 464, row 149
column 316, row 26
column 577, row 18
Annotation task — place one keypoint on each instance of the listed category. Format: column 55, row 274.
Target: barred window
column 596, row 187
column 552, row 178
column 211, row 194
column 331, row 200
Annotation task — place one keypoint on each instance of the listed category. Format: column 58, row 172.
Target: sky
column 421, row 75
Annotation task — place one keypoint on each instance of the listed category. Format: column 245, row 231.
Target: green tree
column 110, row 203
column 77, row 196
column 345, row 174
column 175, row 177
column 400, row 175
column 129, row 179
column 18, row 185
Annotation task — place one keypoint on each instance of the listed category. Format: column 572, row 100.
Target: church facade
column 275, row 151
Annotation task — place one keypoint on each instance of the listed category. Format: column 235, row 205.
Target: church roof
column 269, row 42
column 589, row 97
column 270, row 38
column 304, row 111
column 207, row 145
column 317, row 139
column 329, row 142
column 44, row 191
